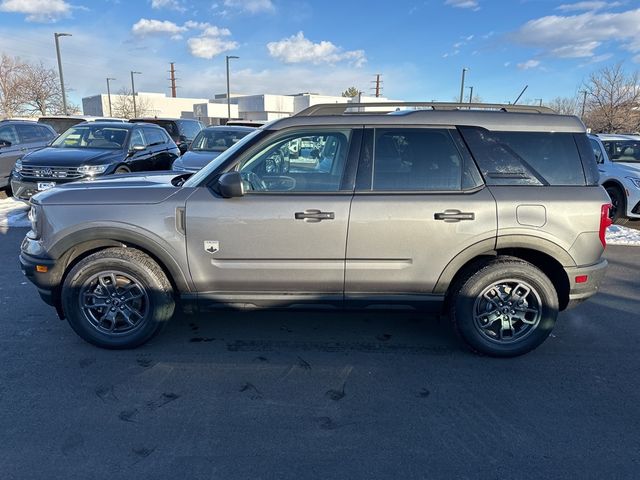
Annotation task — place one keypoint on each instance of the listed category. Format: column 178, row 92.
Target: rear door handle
column 313, row 216
column 451, row 216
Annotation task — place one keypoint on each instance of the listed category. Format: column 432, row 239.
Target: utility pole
column 109, row 95
column 539, row 100
column 470, row 94
column 464, row 71
column 133, row 92
column 64, row 96
column 584, row 103
column 228, row 88
column 378, row 85
column 172, row 71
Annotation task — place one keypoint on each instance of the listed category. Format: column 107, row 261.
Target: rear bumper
column 578, row 292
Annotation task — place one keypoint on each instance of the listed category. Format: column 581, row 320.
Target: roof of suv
column 489, row 116
column 616, row 136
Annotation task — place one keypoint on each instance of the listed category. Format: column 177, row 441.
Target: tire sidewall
column 156, row 317
column 463, row 307
column 621, row 208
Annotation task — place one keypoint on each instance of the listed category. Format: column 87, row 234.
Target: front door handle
column 313, row 216
column 451, row 216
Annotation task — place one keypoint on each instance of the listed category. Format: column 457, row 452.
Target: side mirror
column 230, row 185
column 183, row 147
column 5, row 143
column 136, row 148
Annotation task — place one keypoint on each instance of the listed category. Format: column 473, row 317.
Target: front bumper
column 24, row 189
column 578, row 292
column 45, row 282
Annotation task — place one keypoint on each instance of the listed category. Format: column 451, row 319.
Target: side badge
column 211, row 246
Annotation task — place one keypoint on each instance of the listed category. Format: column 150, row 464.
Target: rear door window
column 525, row 158
column 8, row 134
column 33, row 133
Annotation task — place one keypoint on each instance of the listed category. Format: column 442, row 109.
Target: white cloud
column 209, row 47
column 250, row 6
column 169, row 4
column 587, row 6
column 38, row 10
column 579, row 36
column 529, row 64
column 472, row 4
column 298, row 49
column 144, row 27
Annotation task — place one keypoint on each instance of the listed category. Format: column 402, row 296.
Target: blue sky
column 419, row 47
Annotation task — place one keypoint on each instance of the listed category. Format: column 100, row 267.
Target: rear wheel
column 117, row 298
column 618, row 205
column 506, row 308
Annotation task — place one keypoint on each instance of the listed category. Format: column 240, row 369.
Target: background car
column 18, row 137
column 61, row 123
column 209, row 143
column 182, row 131
column 618, row 158
column 92, row 149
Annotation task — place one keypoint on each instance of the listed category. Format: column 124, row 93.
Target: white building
column 154, row 105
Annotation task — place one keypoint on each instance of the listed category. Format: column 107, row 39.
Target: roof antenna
column 525, row 87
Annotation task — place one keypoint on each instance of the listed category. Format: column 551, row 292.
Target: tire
column 479, row 321
column 619, row 205
column 126, row 316
column 121, row 170
column 8, row 192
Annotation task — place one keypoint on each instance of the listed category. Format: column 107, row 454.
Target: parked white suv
column 618, row 158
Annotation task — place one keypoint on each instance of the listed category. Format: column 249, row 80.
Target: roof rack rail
column 360, row 108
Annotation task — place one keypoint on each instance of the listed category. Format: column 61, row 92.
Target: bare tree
column 11, row 90
column 565, row 105
column 122, row 105
column 41, row 93
column 612, row 100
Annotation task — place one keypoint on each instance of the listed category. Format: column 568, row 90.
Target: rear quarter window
column 526, row 158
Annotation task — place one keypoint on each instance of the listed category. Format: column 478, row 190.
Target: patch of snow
column 618, row 235
column 13, row 213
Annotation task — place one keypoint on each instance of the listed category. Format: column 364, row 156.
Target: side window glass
column 137, row 140
column 304, row 162
column 597, row 151
column 416, row 160
column 153, row 136
column 46, row 134
column 8, row 134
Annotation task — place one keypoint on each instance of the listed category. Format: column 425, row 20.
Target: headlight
column 34, row 217
column 18, row 166
column 92, row 169
column 635, row 181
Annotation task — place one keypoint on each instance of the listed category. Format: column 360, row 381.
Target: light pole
column 539, row 100
column 228, row 90
column 584, row 103
column 64, row 96
column 470, row 94
column 464, row 71
column 109, row 95
column 133, row 92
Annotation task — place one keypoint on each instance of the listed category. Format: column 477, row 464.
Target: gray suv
column 492, row 214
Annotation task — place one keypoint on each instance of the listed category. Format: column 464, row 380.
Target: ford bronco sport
column 490, row 213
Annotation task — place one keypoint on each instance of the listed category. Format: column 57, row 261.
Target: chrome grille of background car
column 53, row 173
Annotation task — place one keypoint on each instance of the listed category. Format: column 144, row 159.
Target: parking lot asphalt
column 261, row 395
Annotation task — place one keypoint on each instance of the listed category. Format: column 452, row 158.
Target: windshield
column 92, row 136
column 216, row 140
column 627, row 151
column 220, row 159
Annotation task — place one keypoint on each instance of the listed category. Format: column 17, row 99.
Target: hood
column 626, row 169
column 128, row 189
column 193, row 160
column 72, row 157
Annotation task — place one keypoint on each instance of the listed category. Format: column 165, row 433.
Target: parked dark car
column 18, row 137
column 209, row 143
column 92, row 149
column 182, row 131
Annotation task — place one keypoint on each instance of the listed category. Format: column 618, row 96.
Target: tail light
column 605, row 221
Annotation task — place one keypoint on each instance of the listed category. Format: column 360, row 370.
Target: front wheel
column 618, row 206
column 506, row 308
column 117, row 298
column 122, row 169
